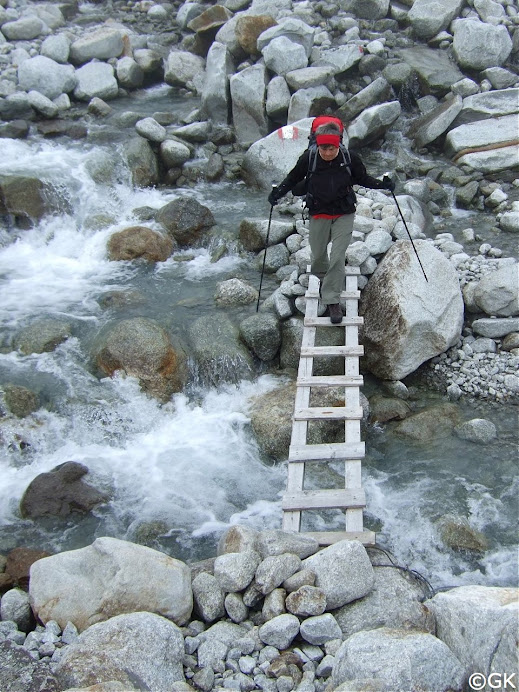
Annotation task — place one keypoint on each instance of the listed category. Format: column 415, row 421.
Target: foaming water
column 190, row 465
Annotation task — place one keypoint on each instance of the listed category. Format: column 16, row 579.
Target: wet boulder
column 42, row 336
column 215, row 101
column 186, row 220
column 408, row 320
column 253, row 232
column 372, row 123
column 20, row 401
column 96, row 583
column 96, row 79
column 60, row 492
column 28, row 200
column 139, row 241
column 234, row 292
column 46, row 76
column 139, row 648
column 459, row 535
column 142, row 162
column 218, row 353
column 143, row 349
column 262, row 334
column 182, row 68
column 433, row 423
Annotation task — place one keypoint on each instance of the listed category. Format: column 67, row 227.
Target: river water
column 181, row 473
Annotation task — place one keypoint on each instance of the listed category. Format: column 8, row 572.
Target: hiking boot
column 335, row 311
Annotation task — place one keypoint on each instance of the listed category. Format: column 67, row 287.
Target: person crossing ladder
column 328, row 171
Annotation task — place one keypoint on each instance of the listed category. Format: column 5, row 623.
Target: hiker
column 331, row 206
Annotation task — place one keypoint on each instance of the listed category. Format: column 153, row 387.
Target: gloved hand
column 274, row 196
column 388, row 183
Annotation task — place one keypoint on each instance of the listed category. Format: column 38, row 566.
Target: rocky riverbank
column 270, row 612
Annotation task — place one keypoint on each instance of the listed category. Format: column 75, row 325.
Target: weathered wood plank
column 338, row 450
column 332, row 351
column 330, row 537
column 331, row 381
column 328, row 413
column 324, row 499
column 325, row 322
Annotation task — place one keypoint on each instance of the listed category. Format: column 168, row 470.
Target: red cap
column 328, row 139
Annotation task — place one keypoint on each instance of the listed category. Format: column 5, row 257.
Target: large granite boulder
column 487, row 133
column 497, row 292
column 479, row 625
column 96, row 79
column 343, row 571
column 95, row 583
column 28, row 200
column 144, row 350
column 101, row 44
column 142, row 162
column 140, row 649
column 59, row 492
column 404, row 660
column 408, row 320
column 217, row 351
column 429, row 17
column 183, row 68
column 433, row 423
column 435, row 70
column 372, row 123
column 268, row 160
column 46, row 76
column 185, row 219
column 42, row 335
column 248, row 96
column 215, row 98
column 478, row 45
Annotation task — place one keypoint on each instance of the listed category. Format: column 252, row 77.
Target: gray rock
column 235, row 571
column 478, row 45
column 278, row 98
column 22, row 673
column 374, row 93
column 129, row 73
column 481, row 133
column 429, row 18
column 46, row 76
column 477, row 430
column 42, row 104
column 20, row 401
column 392, row 355
column 208, row 597
column 320, row 629
column 139, row 647
column 429, row 127
column 273, row 571
column 253, row 232
column 262, row 335
column 291, row 28
column 234, row 292
column 23, row 29
column 459, row 535
column 276, row 542
column 204, row 679
column 509, row 222
column 101, row 44
column 404, row 660
column 372, row 123
column 305, row 577
column 357, row 253
column 434, row 68
column 306, row 101
column 236, row 608
column 185, row 219
column 280, row 631
column 218, row 352
column 42, row 336
column 366, row 9
column 307, row 77
column 248, row 94
column 491, row 104
column 149, row 61
column 478, row 624
column 215, row 97
column 16, row 608
column 395, row 602
column 340, row 59
column 496, row 293
column 95, row 583
column 182, row 68
column 378, row 242
column 433, row 423
column 493, row 161
column 142, row 162
column 237, row 539
column 274, row 604
column 174, row 154
column 276, row 256
column 343, row 571
column 56, row 47
column 96, row 79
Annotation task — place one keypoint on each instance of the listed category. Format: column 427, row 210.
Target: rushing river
column 182, row 472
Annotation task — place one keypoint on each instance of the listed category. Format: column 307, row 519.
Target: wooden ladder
column 351, row 499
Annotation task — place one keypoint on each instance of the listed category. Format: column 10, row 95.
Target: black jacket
column 329, row 187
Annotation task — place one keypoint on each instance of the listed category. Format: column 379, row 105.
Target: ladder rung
column 330, row 537
column 325, row 322
column 347, row 295
column 328, row 413
column 331, row 381
column 326, row 452
column 332, row 351
column 324, row 499
column 348, row 269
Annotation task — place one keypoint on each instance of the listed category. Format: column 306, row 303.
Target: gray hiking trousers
column 330, row 271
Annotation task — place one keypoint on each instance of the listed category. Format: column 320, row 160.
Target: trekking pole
column 265, row 255
column 386, row 178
